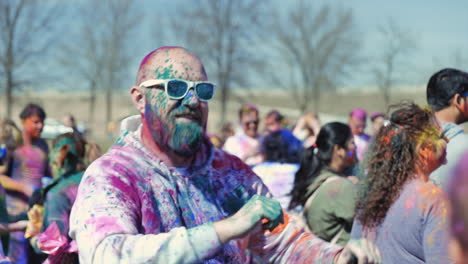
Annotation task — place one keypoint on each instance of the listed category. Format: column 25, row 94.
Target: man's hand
column 36, row 216
column 360, row 252
column 249, row 217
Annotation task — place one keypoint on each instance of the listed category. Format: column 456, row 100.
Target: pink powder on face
column 359, row 114
column 146, row 58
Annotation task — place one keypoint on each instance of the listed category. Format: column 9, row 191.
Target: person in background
column 326, row 195
column 245, row 144
column 281, row 161
column 227, row 130
column 273, row 122
column 447, row 95
column 69, row 121
column 307, row 129
column 163, row 194
column 28, row 165
column 93, row 151
column 8, row 141
column 458, row 193
column 377, row 121
column 357, row 123
column 50, row 235
column 398, row 209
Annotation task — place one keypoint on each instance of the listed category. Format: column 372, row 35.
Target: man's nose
column 191, row 99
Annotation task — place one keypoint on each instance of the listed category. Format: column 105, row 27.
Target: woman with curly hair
column 321, row 187
column 398, row 209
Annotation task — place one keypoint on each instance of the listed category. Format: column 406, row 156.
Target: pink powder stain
column 104, row 225
column 409, row 204
column 124, row 188
column 147, row 57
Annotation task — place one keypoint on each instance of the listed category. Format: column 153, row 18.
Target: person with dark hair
column 281, row 163
column 273, row 121
column 10, row 138
column 28, row 165
column 245, row 144
column 321, row 188
column 377, row 121
column 398, row 209
column 57, row 198
column 163, row 194
column 357, row 123
column 447, row 95
column 457, row 192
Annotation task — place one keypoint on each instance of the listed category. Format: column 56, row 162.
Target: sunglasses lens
column 205, row 91
column 176, row 89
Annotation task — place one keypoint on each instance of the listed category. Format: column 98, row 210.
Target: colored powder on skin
column 186, row 138
column 166, row 73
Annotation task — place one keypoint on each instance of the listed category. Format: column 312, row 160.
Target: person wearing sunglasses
column 245, row 144
column 164, row 194
column 447, row 95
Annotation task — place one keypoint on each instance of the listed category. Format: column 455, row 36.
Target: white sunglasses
column 178, row 88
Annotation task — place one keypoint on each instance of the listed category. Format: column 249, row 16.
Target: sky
column 440, row 29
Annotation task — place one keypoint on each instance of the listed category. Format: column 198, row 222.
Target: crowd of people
column 167, row 191
column 38, row 187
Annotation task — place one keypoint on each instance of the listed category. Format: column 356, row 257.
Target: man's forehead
column 171, row 63
column 250, row 116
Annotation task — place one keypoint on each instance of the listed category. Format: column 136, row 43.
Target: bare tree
column 121, row 20
column 87, row 63
column 26, row 35
column 396, row 44
column 316, row 49
column 101, row 48
column 223, row 33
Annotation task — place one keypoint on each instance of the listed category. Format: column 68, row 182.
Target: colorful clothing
column 132, row 208
column 331, row 212
column 362, row 143
column 279, row 178
column 244, row 147
column 458, row 143
column 4, row 238
column 29, row 164
column 415, row 229
column 58, row 202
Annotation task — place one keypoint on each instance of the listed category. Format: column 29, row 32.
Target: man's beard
column 186, row 138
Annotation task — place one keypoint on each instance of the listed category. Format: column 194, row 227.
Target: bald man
column 163, row 194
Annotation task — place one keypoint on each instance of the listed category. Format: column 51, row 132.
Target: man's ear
column 138, row 99
column 457, row 100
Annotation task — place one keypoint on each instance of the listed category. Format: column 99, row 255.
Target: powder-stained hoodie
column 458, row 143
column 132, row 208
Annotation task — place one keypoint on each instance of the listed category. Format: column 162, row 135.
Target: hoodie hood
column 451, row 130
